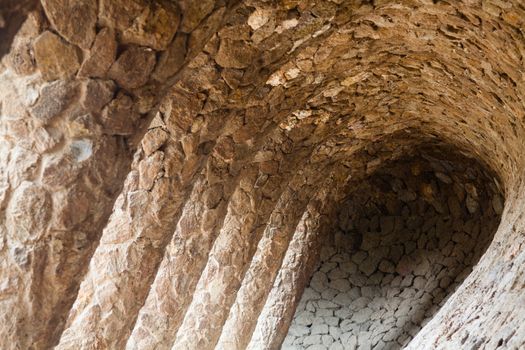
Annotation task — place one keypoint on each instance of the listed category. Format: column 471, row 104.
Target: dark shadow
column 407, row 237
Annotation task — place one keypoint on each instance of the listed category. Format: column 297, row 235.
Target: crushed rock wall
column 403, row 243
column 169, row 169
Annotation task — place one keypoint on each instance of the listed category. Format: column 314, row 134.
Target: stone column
column 77, row 90
column 267, row 261
column 133, row 242
column 248, row 211
column 298, row 264
column 185, row 258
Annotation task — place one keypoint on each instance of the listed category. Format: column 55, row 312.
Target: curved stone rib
column 129, row 251
column 461, row 322
column 170, row 293
column 299, row 262
column 248, row 210
column 80, row 110
column 267, row 260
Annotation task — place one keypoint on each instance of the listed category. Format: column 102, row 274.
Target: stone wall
column 169, row 169
column 405, row 239
column 78, row 89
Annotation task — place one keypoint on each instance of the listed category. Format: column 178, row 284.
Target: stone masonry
column 404, row 241
column 175, row 174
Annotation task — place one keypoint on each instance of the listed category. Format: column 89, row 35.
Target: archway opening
column 405, row 238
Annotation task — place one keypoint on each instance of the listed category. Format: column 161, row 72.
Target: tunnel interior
column 171, row 175
column 404, row 238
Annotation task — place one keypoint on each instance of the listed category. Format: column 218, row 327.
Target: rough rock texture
column 74, row 106
column 170, row 169
column 404, row 241
column 12, row 14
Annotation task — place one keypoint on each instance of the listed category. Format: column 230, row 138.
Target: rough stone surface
column 73, row 19
column 53, row 99
column 13, row 13
column 55, row 58
column 171, row 171
column 194, row 13
column 133, row 67
column 146, row 23
column 101, row 55
column 118, row 116
column 389, row 304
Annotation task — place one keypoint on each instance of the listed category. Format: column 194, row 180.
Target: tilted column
column 182, row 264
column 249, row 209
column 267, row 261
column 133, row 243
column 65, row 154
column 185, row 256
column 298, row 264
column 77, row 91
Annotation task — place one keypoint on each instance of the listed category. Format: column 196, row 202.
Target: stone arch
column 224, row 110
column 406, row 237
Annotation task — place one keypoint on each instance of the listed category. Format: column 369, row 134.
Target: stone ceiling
column 166, row 167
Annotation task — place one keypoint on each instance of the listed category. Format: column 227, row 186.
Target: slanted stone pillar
column 298, row 264
column 267, row 260
column 77, row 90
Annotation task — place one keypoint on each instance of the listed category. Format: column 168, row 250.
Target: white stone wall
column 405, row 240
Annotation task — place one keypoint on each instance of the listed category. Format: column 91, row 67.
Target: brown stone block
column 54, row 57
